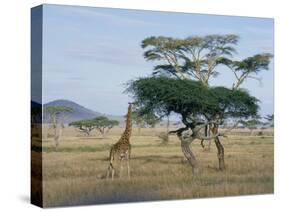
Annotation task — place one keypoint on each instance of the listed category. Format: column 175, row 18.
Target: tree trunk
column 168, row 126
column 57, row 136
column 207, row 133
column 208, row 149
column 220, row 153
column 103, row 133
column 185, row 146
column 219, row 147
column 251, row 132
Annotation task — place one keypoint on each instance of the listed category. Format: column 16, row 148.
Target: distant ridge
column 79, row 112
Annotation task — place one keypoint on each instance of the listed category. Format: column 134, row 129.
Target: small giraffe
column 122, row 149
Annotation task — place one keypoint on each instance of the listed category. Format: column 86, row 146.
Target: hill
column 79, row 111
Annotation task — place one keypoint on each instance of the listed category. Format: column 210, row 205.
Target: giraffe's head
column 132, row 105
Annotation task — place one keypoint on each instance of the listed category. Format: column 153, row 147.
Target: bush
column 164, row 137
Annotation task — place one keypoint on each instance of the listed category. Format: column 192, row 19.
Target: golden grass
column 74, row 174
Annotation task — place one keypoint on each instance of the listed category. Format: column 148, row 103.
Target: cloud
column 109, row 53
column 102, row 14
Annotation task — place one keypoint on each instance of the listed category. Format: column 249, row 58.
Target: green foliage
column 86, row 125
column 234, row 103
column 194, row 57
column 251, row 65
column 191, row 99
column 143, row 119
column 197, row 57
column 57, row 110
column 56, row 113
column 269, row 117
column 270, row 120
column 252, row 123
column 101, row 123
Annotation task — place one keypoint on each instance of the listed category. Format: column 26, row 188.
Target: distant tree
column 252, row 123
column 143, row 119
column 103, row 124
column 270, row 120
column 85, row 126
column 138, row 120
column 167, row 129
column 56, row 117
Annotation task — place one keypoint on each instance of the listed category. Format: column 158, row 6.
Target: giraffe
column 121, row 150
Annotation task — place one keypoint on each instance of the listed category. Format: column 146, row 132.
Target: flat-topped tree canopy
column 101, row 123
column 191, row 99
column 198, row 58
column 194, row 57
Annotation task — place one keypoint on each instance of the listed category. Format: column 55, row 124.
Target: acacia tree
column 56, row 117
column 194, row 57
column 199, row 106
column 103, row 124
column 249, row 68
column 270, row 120
column 252, row 123
column 198, row 58
column 143, row 119
column 138, row 120
column 85, row 126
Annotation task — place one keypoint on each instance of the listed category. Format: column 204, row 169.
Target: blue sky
column 89, row 53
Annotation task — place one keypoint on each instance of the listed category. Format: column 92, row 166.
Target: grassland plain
column 74, row 175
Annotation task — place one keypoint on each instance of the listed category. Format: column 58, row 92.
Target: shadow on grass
column 95, row 138
column 105, row 147
column 70, row 149
column 150, row 159
column 159, row 159
column 121, row 195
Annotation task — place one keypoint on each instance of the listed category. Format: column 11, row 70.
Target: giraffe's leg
column 121, row 168
column 107, row 173
column 128, row 168
column 112, row 173
column 128, row 162
column 109, row 169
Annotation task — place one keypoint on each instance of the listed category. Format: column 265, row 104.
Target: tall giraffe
column 121, row 150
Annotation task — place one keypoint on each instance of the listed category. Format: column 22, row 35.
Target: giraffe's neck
column 128, row 129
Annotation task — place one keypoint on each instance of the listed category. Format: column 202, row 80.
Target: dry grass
column 74, row 174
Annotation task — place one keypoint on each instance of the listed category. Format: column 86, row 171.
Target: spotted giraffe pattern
column 121, row 150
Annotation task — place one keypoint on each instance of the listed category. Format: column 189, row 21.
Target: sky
column 90, row 53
